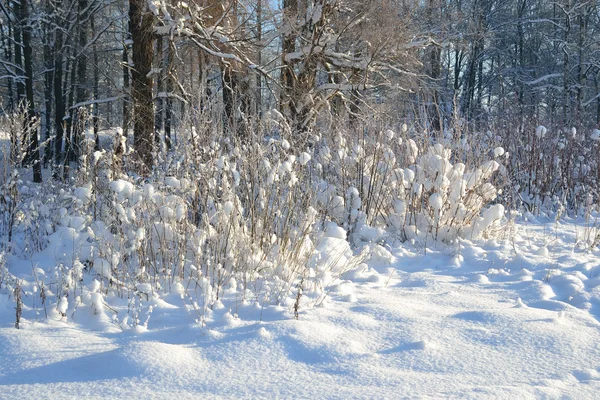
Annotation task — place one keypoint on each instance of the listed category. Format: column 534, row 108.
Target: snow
column 436, row 201
column 304, row 158
column 102, row 267
column 543, row 78
column 62, row 306
column 540, row 131
column 334, row 231
column 493, row 213
column 172, row 182
column 84, row 194
column 513, row 317
column 122, row 188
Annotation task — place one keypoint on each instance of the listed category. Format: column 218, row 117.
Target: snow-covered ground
column 516, row 317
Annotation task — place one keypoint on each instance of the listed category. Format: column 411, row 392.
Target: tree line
column 71, row 68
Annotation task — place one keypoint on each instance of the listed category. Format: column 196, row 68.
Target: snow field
column 356, row 269
column 476, row 321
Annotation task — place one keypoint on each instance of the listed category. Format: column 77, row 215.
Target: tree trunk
column 81, row 93
column 597, row 81
column 581, row 76
column 20, row 100
column 566, row 68
column 95, row 94
column 18, row 53
column 259, row 35
column 229, row 84
column 70, row 94
column 6, row 39
column 126, row 98
column 48, row 82
column 288, row 46
column 435, row 69
column 169, row 99
column 33, row 154
column 520, row 45
column 160, row 78
column 141, row 22
column 59, row 105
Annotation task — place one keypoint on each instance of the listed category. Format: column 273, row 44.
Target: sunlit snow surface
column 515, row 318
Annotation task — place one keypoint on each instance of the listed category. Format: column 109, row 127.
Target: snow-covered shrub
column 229, row 218
column 445, row 199
column 257, row 220
column 3, row 270
column 8, row 206
column 552, row 169
column 9, row 176
column 380, row 183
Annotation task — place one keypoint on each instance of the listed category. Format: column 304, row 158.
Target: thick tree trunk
column 141, row 22
column 435, row 69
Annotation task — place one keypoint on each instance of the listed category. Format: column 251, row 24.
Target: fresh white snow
column 515, row 317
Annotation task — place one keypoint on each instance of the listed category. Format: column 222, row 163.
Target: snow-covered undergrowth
column 391, row 186
column 218, row 222
column 511, row 317
column 551, row 168
column 230, row 242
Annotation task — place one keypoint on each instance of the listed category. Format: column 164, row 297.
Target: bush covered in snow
column 265, row 221
column 384, row 183
column 227, row 220
column 552, row 169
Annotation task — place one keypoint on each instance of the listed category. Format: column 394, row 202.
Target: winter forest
column 300, row 198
